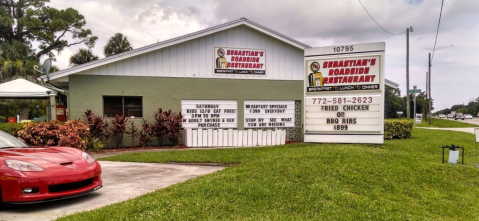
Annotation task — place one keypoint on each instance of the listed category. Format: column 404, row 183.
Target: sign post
column 399, row 113
column 344, row 94
column 414, row 92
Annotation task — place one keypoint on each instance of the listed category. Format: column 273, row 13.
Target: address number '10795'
column 343, row 48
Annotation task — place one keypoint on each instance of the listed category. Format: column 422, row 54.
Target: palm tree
column 53, row 69
column 117, row 44
column 10, row 70
column 82, row 56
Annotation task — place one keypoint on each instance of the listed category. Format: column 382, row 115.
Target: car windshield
column 9, row 141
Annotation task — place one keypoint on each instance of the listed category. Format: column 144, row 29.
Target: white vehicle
column 467, row 116
column 442, row 116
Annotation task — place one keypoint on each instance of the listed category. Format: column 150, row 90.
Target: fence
column 233, row 138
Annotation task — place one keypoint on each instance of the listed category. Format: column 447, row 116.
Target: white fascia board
column 277, row 37
column 391, row 83
column 275, row 34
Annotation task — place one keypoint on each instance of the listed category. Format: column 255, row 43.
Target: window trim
column 122, row 105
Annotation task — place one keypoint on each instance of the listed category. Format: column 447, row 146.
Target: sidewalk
column 466, row 129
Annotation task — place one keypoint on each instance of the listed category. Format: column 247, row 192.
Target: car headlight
column 23, row 166
column 88, row 158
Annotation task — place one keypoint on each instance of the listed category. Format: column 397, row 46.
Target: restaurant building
column 237, row 75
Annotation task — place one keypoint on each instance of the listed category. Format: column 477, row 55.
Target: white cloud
column 317, row 23
column 143, row 23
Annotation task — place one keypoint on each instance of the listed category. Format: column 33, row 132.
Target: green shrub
column 3, row 119
column 11, row 128
column 94, row 144
column 397, row 129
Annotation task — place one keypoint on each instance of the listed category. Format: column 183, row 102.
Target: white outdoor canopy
column 21, row 88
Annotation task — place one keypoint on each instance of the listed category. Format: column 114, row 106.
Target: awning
column 21, row 88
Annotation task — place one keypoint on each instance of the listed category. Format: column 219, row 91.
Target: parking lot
column 121, row 181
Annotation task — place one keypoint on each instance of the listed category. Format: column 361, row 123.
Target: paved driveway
column 121, row 181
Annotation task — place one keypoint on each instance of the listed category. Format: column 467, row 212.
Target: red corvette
column 40, row 174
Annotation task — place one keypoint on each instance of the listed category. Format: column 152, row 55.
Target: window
column 127, row 106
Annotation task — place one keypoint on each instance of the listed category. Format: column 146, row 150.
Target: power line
column 437, row 32
column 377, row 23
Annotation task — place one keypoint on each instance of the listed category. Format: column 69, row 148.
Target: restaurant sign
column 240, row 61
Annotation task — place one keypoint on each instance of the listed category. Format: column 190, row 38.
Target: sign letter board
column 344, row 94
column 268, row 114
column 203, row 114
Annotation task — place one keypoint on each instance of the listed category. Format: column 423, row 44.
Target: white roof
column 21, row 88
column 62, row 76
column 173, row 41
column 391, row 83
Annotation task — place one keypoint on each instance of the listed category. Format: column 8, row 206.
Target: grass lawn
column 400, row 180
column 442, row 123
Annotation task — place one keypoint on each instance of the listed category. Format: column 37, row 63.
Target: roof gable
column 173, row 41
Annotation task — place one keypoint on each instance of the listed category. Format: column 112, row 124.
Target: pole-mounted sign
column 344, row 94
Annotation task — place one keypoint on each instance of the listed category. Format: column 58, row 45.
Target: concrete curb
column 100, row 155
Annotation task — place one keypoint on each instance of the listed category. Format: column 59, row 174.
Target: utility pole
column 430, row 97
column 407, row 71
column 414, row 114
column 427, row 94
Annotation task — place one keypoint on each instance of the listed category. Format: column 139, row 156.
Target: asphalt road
column 121, row 181
column 474, row 120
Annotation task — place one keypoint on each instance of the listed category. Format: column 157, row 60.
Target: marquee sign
column 344, row 94
column 264, row 114
column 240, row 61
column 209, row 114
column 351, row 114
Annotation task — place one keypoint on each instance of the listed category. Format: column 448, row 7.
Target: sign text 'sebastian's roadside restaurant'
column 239, row 84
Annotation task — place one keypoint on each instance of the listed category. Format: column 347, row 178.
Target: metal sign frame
column 362, row 124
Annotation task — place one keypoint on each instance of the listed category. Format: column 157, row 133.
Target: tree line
column 394, row 103
column 29, row 31
column 470, row 108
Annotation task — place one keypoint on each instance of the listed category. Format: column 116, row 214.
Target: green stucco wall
column 86, row 92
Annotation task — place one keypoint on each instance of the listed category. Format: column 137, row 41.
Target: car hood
column 38, row 156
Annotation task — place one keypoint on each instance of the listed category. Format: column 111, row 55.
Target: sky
column 316, row 23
